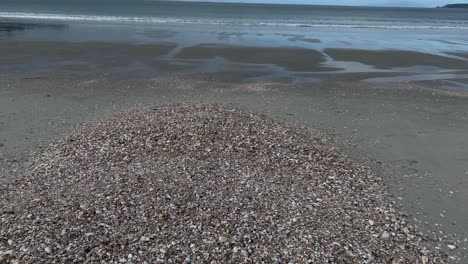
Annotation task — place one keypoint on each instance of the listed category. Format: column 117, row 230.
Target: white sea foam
column 46, row 16
column 242, row 22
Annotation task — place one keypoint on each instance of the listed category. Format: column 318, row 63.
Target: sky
column 410, row 3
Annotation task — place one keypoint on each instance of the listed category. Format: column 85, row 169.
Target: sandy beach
column 388, row 111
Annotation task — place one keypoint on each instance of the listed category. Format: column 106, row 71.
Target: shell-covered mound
column 190, row 183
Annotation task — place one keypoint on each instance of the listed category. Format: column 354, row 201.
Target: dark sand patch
column 457, row 84
column 87, row 57
column 309, row 40
column 295, row 37
column 159, row 33
column 237, row 76
column 227, row 35
column 353, row 77
column 10, row 27
column 76, row 67
column 289, row 35
column 461, row 54
column 385, row 59
column 22, row 50
column 171, row 66
column 448, row 42
column 345, row 42
column 295, row 59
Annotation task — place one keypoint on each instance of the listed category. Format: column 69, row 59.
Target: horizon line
column 294, row 4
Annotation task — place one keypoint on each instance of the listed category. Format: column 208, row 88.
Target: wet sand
column 294, row 38
column 11, row 27
column 254, row 63
column 294, row 59
column 20, row 51
column 385, row 59
column 459, row 54
column 351, row 77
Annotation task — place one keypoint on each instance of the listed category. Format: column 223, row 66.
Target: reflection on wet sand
column 12, row 27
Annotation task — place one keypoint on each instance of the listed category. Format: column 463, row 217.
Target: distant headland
column 455, row 6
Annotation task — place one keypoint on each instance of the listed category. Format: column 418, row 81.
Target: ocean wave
column 239, row 22
column 45, row 16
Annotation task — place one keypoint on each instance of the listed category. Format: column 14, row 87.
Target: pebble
column 424, row 259
column 385, row 235
column 6, row 253
column 144, row 239
column 451, row 247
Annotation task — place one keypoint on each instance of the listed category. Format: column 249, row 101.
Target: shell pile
column 194, row 183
